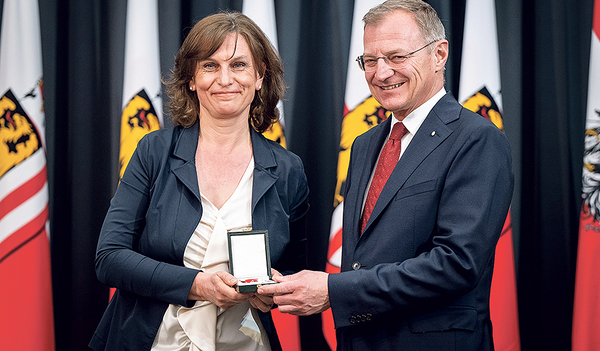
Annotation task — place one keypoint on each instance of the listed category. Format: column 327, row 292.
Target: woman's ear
column 260, row 77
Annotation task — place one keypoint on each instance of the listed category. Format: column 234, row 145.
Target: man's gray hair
column 429, row 23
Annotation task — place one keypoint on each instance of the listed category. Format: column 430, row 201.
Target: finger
column 289, row 309
column 259, row 304
column 266, row 299
column 227, row 278
column 285, row 300
column 281, row 278
column 275, row 273
column 274, row 289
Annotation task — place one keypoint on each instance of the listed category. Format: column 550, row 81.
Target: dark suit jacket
column 419, row 276
column 154, row 213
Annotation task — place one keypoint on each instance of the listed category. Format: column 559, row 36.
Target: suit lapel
column 184, row 167
column 432, row 133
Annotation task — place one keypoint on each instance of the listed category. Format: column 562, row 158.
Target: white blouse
column 205, row 326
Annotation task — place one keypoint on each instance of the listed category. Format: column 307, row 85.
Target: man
column 416, row 272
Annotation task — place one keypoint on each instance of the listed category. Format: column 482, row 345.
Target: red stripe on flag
column 288, row 329
column 504, row 311
column 23, row 193
column 586, row 309
column 23, row 235
column 26, row 303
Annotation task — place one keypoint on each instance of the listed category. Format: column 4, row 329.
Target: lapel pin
column 433, row 133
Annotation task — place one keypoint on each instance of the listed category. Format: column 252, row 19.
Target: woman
column 163, row 242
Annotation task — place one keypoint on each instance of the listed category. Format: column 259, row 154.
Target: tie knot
column 398, row 131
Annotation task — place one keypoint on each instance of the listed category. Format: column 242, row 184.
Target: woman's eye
column 209, row 67
column 238, row 66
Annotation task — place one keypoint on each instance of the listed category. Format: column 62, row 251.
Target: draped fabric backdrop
column 544, row 48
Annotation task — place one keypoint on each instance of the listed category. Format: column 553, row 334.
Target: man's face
column 401, row 90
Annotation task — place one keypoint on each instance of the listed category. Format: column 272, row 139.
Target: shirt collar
column 413, row 121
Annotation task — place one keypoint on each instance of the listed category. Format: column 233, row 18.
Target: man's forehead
column 398, row 25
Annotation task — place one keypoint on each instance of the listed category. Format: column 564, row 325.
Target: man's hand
column 301, row 294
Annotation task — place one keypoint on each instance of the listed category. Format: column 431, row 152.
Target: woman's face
column 226, row 81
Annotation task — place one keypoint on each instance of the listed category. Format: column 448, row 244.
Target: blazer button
column 356, row 265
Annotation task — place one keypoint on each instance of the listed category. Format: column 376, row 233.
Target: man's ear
column 441, row 54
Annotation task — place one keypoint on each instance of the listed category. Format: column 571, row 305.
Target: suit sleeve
column 472, row 204
column 118, row 261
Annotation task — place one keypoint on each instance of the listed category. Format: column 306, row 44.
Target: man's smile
column 390, row 87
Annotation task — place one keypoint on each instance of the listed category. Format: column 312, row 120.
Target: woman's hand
column 217, row 288
column 261, row 302
column 264, row 302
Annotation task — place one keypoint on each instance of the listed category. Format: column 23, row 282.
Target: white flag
column 25, row 273
column 262, row 12
column 142, row 101
column 480, row 65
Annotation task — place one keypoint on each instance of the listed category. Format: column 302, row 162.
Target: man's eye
column 370, row 62
column 397, row 59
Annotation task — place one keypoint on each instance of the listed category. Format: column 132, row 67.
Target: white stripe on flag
column 22, row 173
column 142, row 55
column 336, row 225
column 480, row 65
column 592, row 118
column 24, row 213
column 262, row 12
column 356, row 86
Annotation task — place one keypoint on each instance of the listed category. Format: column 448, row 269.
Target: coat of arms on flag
column 19, row 138
column 138, row 119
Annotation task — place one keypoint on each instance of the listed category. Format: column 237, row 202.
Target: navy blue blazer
column 419, row 276
column 153, row 215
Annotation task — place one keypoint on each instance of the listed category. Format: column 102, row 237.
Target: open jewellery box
column 250, row 259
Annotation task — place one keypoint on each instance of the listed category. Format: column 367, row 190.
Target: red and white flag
column 142, row 101
column 586, row 309
column 361, row 113
column 479, row 91
column 262, row 12
column 26, row 317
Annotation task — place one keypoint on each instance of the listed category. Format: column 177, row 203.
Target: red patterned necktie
column 387, row 161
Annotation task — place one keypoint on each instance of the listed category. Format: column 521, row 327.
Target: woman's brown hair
column 205, row 38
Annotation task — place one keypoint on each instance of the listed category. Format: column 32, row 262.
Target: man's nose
column 383, row 70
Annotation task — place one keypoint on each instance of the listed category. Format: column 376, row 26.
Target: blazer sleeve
column 118, row 260
column 473, row 200
column 294, row 257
